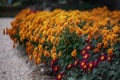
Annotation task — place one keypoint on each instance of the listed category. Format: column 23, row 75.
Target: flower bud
column 102, row 57
column 76, row 62
column 69, row 66
column 86, row 56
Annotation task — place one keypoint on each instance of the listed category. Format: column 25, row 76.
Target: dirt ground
column 13, row 64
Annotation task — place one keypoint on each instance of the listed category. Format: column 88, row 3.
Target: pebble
column 14, row 65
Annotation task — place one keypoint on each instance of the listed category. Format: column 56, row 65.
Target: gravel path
column 13, row 64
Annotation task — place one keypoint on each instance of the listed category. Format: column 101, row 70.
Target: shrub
column 77, row 45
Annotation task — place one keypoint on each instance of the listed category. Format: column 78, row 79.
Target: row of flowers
column 68, row 40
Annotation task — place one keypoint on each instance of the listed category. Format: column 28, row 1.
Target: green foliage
column 104, row 71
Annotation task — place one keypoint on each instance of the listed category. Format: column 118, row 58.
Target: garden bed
column 75, row 44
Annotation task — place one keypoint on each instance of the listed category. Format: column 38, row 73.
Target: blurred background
column 9, row 8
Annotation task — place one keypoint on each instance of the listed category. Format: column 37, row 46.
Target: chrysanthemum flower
column 99, row 45
column 83, row 51
column 59, row 76
column 102, row 57
column 90, row 65
column 56, row 69
column 69, row 66
column 82, row 63
column 86, row 56
column 54, row 56
column 38, row 61
column 109, row 58
column 76, row 62
column 110, row 51
column 74, row 53
column 96, row 50
column 88, row 47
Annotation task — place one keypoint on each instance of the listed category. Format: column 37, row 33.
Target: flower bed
column 77, row 45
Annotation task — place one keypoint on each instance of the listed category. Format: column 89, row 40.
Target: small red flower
column 85, row 66
column 56, row 68
column 69, row 66
column 109, row 58
column 90, row 65
column 102, row 57
column 88, row 47
column 76, row 62
column 82, row 63
column 83, row 51
column 59, row 76
column 86, row 56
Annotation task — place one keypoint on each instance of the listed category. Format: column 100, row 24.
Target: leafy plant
column 76, row 45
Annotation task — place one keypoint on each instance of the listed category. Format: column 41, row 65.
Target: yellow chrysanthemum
column 74, row 53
